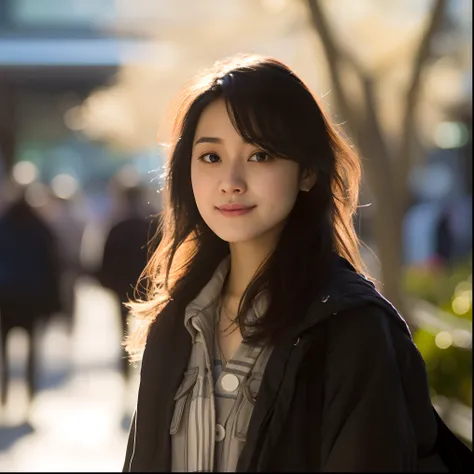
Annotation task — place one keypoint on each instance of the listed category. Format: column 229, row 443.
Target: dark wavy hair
column 272, row 108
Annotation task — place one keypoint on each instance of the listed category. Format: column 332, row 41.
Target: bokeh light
column 443, row 339
column 451, row 135
column 64, row 185
column 25, row 172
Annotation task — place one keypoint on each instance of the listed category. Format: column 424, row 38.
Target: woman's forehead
column 215, row 124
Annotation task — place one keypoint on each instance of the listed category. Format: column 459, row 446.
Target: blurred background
column 85, row 89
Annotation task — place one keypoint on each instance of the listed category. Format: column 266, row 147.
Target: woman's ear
column 307, row 180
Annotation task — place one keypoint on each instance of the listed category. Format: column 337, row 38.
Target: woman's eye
column 210, row 158
column 260, row 156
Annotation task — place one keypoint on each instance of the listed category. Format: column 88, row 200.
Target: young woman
column 264, row 346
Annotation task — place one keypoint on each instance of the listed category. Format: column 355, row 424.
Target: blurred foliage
column 440, row 284
column 448, row 356
column 449, row 370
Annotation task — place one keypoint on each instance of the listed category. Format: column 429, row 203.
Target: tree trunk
column 387, row 228
column 387, row 171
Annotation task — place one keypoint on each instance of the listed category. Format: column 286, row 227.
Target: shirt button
column 230, row 382
column 220, row 432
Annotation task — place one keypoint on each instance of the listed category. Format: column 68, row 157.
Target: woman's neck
column 245, row 259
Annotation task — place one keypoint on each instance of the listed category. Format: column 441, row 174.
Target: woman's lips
column 233, row 211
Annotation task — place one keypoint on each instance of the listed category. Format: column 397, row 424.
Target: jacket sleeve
column 366, row 424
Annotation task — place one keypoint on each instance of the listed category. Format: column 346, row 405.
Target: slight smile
column 234, row 209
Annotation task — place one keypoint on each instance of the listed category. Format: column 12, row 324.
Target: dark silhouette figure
column 29, row 282
column 125, row 255
column 444, row 238
column 68, row 228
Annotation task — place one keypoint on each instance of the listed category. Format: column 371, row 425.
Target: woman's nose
column 233, row 182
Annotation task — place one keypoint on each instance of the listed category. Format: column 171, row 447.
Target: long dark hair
column 273, row 109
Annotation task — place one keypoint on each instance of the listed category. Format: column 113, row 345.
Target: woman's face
column 258, row 190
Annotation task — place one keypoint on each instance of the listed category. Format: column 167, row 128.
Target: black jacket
column 347, row 391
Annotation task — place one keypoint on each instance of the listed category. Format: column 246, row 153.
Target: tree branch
column 409, row 118
column 374, row 146
column 333, row 56
column 364, row 125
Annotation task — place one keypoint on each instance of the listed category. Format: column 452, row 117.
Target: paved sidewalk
column 77, row 422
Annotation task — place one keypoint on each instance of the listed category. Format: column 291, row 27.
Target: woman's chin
column 236, row 237
column 246, row 236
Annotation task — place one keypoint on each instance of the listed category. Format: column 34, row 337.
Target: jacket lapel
column 164, row 362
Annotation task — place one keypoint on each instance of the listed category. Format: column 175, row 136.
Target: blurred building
column 53, row 53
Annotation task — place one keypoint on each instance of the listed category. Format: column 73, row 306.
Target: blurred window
column 62, row 12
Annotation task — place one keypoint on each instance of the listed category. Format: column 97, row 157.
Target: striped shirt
column 214, row 403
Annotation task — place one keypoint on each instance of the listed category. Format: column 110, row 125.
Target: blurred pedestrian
column 264, row 347
column 29, row 282
column 444, row 238
column 68, row 225
column 126, row 252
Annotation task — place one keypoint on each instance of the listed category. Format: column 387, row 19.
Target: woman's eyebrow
column 208, row 140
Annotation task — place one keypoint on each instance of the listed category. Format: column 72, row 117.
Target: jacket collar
column 345, row 288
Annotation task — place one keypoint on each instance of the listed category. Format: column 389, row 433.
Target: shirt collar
column 210, row 293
